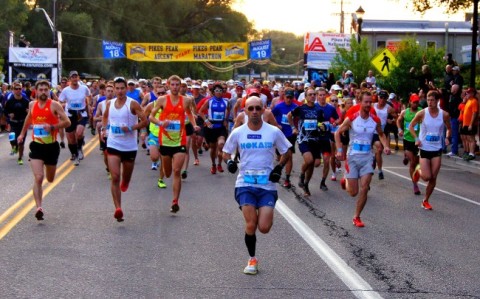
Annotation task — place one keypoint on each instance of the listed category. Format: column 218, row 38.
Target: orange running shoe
column 426, row 205
column 118, row 214
column 358, row 222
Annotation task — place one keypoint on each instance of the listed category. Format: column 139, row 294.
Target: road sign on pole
column 385, row 62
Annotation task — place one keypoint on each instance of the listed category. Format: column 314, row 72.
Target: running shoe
column 12, row 152
column 92, row 131
column 196, row 163
column 343, row 183
column 287, row 184
column 306, row 190
column 72, row 157
column 380, row 175
column 123, row 187
column 184, row 174
column 20, row 162
column 39, row 214
column 358, row 222
column 174, row 208
column 219, row 168
column 426, row 205
column 333, row 178
column 76, row 161
column 252, row 267
column 154, row 166
column 465, row 156
column 213, row 169
column 470, row 157
column 118, row 214
column 161, row 184
column 62, row 144
column 416, row 174
column 450, row 154
column 80, row 154
column 416, row 190
column 323, row 187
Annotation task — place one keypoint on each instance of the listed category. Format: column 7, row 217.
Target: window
column 381, row 44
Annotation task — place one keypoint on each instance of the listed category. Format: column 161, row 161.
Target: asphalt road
column 313, row 250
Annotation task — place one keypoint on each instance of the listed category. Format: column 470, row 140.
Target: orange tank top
column 40, row 118
column 174, row 134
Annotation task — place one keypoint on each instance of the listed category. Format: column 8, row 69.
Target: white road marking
column 443, row 168
column 359, row 287
column 436, row 189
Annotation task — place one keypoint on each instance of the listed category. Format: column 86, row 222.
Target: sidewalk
column 472, row 166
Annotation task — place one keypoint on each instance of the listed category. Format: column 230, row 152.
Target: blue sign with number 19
column 261, row 49
column 112, row 50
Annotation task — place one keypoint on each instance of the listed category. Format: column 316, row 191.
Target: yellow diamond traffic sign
column 385, row 62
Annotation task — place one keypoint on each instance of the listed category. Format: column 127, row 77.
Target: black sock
column 288, row 177
column 323, row 181
column 250, row 241
column 80, row 142
column 73, row 149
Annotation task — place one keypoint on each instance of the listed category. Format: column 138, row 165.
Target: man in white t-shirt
column 255, row 189
column 74, row 99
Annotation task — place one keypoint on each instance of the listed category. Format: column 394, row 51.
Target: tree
column 357, row 59
column 452, row 6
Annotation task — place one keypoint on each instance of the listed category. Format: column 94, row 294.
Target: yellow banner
column 174, row 52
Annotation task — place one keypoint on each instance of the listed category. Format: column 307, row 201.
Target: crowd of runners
column 252, row 128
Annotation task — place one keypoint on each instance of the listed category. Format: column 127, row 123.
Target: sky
column 301, row 16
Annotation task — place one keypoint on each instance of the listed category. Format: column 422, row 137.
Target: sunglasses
column 17, row 88
column 334, row 101
column 251, row 108
column 218, row 90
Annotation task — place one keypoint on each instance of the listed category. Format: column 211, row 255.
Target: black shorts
column 189, row 129
column 212, row 135
column 48, row 153
column 464, row 131
column 124, row 156
column 345, row 138
column 325, row 147
column 293, row 140
column 391, row 128
column 76, row 119
column 172, row 150
column 430, row 154
column 375, row 138
column 312, row 147
column 410, row 146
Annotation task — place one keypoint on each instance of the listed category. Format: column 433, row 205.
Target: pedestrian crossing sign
column 385, row 62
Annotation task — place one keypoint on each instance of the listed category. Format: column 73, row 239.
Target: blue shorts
column 257, row 197
column 153, row 140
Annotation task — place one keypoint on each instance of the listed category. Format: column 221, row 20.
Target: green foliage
column 357, row 59
column 13, row 16
column 409, row 55
column 451, row 6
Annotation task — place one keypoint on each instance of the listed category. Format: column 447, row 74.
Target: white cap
column 349, row 72
column 196, row 86
column 336, row 87
column 392, row 96
column 130, row 82
column 204, row 84
column 307, row 84
column 275, row 88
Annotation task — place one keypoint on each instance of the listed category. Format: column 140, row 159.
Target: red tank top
column 174, row 134
column 40, row 118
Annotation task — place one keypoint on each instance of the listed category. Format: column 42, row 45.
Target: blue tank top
column 153, row 97
column 217, row 111
column 135, row 95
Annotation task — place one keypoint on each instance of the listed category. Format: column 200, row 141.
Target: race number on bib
column 310, row 124
column 285, row 119
column 76, row 106
column 432, row 137
column 259, row 177
column 361, row 147
column 217, row 116
column 39, row 131
column 174, row 126
column 116, row 130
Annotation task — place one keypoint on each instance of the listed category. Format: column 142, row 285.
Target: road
column 313, row 250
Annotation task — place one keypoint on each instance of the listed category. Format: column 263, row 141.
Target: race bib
column 217, row 116
column 39, row 131
column 258, row 177
column 116, row 130
column 173, row 126
column 432, row 137
column 11, row 136
column 285, row 119
column 361, row 147
column 310, row 124
column 76, row 106
column 407, row 125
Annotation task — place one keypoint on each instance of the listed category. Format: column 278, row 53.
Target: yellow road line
column 91, row 145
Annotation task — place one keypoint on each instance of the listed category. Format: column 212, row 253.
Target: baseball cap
column 204, row 84
column 196, row 86
column 275, row 88
column 289, row 94
column 307, row 84
column 252, row 91
column 336, row 87
column 414, row 98
column 73, row 73
column 131, row 82
column 240, row 85
column 383, row 94
column 349, row 72
column 392, row 96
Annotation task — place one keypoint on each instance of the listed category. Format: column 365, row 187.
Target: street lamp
column 360, row 12
column 50, row 23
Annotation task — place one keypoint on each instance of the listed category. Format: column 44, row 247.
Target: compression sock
column 250, row 241
column 73, row 149
column 80, row 142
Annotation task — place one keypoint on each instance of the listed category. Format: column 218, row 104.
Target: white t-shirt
column 75, row 98
column 257, row 152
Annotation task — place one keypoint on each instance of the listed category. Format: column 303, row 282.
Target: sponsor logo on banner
column 34, row 55
column 138, row 50
column 234, row 52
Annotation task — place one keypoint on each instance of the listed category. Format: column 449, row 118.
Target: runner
column 16, row 108
column 172, row 136
column 358, row 166
column 216, row 122
column 75, row 98
column 99, row 111
column 255, row 189
column 46, row 117
column 411, row 150
column 121, row 115
column 432, row 122
column 280, row 111
column 310, row 128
